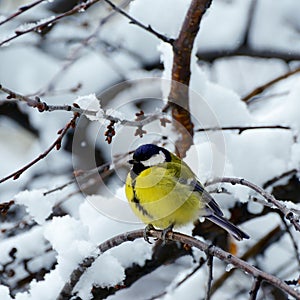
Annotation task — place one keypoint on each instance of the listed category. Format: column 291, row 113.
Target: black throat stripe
column 136, row 200
column 136, row 170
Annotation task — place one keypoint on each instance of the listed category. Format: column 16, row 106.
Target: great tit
column 164, row 192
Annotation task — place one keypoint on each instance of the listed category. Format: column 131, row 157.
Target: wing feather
column 212, row 204
column 186, row 176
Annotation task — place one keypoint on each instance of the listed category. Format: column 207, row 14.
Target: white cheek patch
column 154, row 160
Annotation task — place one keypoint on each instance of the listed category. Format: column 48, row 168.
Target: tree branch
column 43, row 106
column 139, row 24
column 56, row 144
column 181, row 73
column 210, row 276
column 243, row 128
column 277, row 178
column 257, row 249
column 245, row 50
column 288, row 213
column 21, row 10
column 263, row 87
column 294, row 243
column 255, row 288
column 44, row 24
column 75, row 276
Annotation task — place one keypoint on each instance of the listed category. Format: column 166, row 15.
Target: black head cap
column 146, row 151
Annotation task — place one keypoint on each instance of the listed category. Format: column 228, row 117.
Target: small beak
column 131, row 161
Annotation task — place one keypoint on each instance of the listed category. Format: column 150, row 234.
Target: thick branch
column 66, row 292
column 183, row 46
column 181, row 73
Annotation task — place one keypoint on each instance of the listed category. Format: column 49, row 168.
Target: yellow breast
column 158, row 199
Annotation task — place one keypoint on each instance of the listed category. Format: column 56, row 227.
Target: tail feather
column 229, row 227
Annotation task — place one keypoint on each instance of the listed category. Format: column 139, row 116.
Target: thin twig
column 263, row 87
column 248, row 25
column 294, row 243
column 139, row 24
column 74, row 55
column 288, row 213
column 56, row 144
column 241, row 129
column 255, row 288
column 21, row 10
column 201, row 263
column 75, row 276
column 257, row 249
column 277, row 178
column 40, row 25
column 210, row 276
column 246, row 50
column 43, row 106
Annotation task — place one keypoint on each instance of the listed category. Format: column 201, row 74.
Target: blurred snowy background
column 241, row 46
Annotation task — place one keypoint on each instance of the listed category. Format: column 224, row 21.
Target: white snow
column 243, row 74
column 69, row 238
column 37, row 205
column 91, row 103
column 215, row 100
column 4, row 293
column 223, row 25
column 106, row 271
column 46, row 289
column 283, row 23
column 25, row 249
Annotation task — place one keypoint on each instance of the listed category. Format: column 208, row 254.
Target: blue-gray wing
column 211, row 203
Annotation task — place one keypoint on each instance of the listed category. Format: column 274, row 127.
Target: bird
column 164, row 193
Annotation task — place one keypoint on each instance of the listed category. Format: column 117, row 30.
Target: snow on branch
column 288, row 213
column 141, row 119
column 94, row 113
column 209, row 249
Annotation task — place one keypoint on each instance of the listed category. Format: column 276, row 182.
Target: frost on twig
column 89, row 106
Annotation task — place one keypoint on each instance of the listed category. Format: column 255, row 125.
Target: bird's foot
column 147, row 230
column 166, row 231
